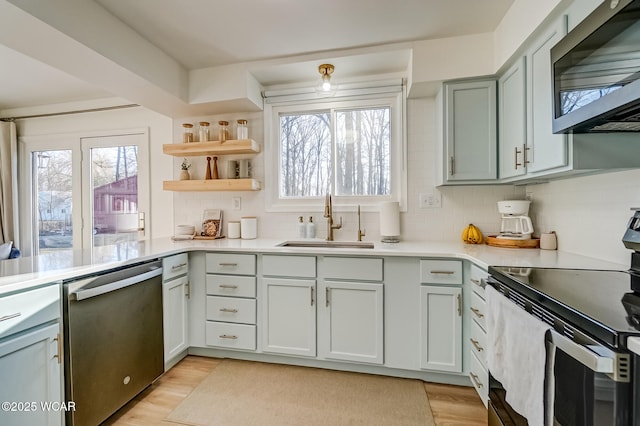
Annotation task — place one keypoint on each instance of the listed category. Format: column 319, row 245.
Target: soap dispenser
column 302, row 229
column 311, row 228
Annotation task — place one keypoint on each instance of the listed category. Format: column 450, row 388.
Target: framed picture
column 212, row 223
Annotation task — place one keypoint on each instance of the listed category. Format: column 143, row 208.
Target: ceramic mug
column 548, row 241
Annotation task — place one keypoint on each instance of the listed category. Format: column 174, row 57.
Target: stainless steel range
column 594, row 316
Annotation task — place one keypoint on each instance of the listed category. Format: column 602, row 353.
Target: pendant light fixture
column 325, row 71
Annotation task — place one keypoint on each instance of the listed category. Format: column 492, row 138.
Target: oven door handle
column 595, row 358
column 113, row 286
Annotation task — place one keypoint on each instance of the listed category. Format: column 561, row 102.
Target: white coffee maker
column 516, row 224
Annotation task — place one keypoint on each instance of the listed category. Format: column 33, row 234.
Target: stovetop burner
column 601, row 303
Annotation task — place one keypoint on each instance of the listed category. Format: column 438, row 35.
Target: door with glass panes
column 86, row 192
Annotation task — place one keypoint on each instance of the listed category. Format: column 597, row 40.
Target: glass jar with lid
column 187, row 132
column 223, row 131
column 242, row 131
column 205, row 135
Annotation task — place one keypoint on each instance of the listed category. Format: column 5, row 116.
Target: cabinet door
column 350, row 321
column 547, row 150
column 30, row 371
column 470, row 131
column 512, row 118
column 175, row 295
column 289, row 316
column 441, row 328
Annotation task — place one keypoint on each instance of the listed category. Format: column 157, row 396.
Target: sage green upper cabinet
column 546, row 150
column 513, row 126
column 469, row 136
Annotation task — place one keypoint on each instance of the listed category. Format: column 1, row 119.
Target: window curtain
column 8, row 183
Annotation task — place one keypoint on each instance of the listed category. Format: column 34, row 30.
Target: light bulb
column 326, row 83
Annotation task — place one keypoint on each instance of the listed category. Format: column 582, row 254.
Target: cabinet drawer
column 231, row 263
column 479, row 378
column 441, row 271
column 174, row 266
column 289, row 266
column 353, row 268
column 231, row 285
column 478, row 311
column 21, row 311
column 233, row 336
column 478, row 341
column 475, row 278
column 231, row 309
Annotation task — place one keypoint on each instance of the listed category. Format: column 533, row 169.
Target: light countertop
column 23, row 273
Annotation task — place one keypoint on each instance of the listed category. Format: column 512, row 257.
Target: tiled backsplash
column 588, row 213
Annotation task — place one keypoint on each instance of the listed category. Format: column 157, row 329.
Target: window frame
column 398, row 143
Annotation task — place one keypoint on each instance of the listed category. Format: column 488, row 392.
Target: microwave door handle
column 584, row 355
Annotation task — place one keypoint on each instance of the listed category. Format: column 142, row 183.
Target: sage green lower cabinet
column 338, row 317
column 289, row 300
column 230, row 301
column 441, row 319
column 175, row 307
column 30, row 357
column 351, row 321
column 289, row 316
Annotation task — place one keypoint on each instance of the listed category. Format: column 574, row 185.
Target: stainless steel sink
column 328, row 244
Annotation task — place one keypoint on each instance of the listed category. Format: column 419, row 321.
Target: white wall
column 589, row 214
column 161, row 221
column 460, row 205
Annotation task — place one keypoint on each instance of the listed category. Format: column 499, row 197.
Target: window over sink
column 350, row 146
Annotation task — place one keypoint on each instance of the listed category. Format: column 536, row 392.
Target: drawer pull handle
column 476, row 345
column 233, row 311
column 459, row 298
column 476, row 380
column 8, row 317
column 312, row 298
column 477, row 312
column 476, row 282
column 227, row 336
column 223, row 264
column 327, row 292
column 231, row 286
column 180, row 266
column 437, row 272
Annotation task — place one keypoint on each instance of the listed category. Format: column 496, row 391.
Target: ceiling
column 278, row 38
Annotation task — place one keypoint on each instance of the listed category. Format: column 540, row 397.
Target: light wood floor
column 451, row 405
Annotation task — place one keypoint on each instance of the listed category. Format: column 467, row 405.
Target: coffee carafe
column 516, row 224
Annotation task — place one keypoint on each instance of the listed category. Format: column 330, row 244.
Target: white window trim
column 272, row 111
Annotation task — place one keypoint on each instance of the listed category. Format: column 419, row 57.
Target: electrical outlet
column 430, row 200
column 236, row 203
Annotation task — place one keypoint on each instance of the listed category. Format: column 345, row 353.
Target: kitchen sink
column 327, row 244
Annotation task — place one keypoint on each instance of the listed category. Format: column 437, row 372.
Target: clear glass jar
column 205, row 135
column 223, row 131
column 187, row 132
column 242, row 130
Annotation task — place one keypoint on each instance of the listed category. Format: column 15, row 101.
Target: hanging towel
column 516, row 355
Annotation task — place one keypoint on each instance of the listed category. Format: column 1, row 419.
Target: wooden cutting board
column 492, row 240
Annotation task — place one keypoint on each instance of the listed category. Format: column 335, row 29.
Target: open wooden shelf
column 244, row 146
column 211, row 185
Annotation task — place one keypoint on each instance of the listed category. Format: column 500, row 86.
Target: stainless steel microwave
column 596, row 72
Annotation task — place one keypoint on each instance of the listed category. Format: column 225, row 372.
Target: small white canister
column 249, row 227
column 233, row 230
column 548, row 241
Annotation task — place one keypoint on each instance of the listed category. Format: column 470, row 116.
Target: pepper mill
column 215, row 168
column 208, row 175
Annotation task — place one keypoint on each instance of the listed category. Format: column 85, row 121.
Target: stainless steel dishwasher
column 113, row 339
